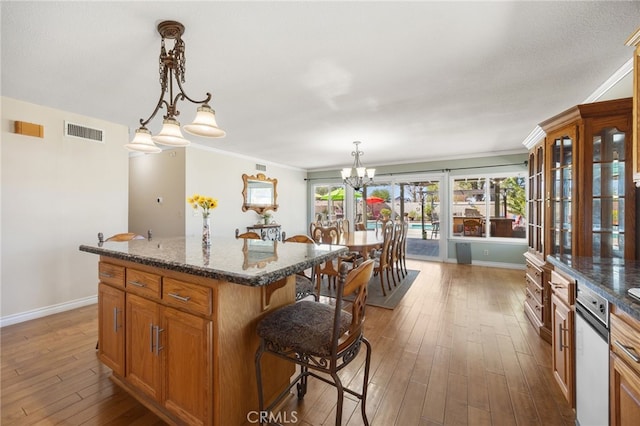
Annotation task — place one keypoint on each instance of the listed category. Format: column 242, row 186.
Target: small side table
column 267, row 232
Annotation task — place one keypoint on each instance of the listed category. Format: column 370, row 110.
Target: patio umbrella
column 374, row 200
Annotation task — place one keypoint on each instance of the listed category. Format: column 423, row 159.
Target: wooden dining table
column 362, row 241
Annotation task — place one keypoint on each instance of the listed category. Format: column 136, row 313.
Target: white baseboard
column 46, row 311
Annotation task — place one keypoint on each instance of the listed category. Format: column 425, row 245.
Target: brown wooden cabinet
column 537, row 295
column 563, row 334
column 111, row 327
column 168, row 351
column 180, row 343
column 634, row 41
column 581, row 197
column 624, row 398
column 590, row 196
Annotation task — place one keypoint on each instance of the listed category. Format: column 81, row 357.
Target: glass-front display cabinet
column 590, row 199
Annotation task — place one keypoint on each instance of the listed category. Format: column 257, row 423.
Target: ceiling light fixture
column 357, row 176
column 172, row 67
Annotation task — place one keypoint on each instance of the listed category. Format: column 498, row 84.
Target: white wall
column 219, row 175
column 57, row 193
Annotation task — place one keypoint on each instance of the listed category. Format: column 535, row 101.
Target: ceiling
column 295, row 83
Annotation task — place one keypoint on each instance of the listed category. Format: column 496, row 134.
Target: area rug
column 374, row 296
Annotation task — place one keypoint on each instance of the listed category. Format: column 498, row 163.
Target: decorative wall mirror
column 259, row 193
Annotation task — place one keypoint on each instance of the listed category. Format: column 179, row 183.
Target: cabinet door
column 142, row 353
column 560, row 192
column 562, row 343
column 609, row 219
column 110, row 327
column 186, row 347
column 624, row 398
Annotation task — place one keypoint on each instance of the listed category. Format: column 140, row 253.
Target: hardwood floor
column 457, row 350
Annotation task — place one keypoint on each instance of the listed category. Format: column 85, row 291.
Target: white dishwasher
column 592, row 358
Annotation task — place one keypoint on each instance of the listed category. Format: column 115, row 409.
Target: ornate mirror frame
column 254, row 198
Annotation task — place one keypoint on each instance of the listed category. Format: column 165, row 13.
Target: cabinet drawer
column 534, row 305
column 180, row 294
column 563, row 288
column 625, row 340
column 111, row 274
column 534, row 273
column 534, row 288
column 144, row 284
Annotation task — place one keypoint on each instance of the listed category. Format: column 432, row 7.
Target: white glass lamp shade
column 142, row 142
column 170, row 134
column 361, row 171
column 371, row 173
column 205, row 124
column 346, row 172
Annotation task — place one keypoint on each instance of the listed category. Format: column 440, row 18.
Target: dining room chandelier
column 172, row 76
column 357, row 176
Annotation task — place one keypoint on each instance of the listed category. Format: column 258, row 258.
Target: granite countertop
column 241, row 261
column 611, row 278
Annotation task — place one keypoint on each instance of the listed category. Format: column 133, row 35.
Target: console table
column 267, row 232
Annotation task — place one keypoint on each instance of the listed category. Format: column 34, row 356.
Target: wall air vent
column 261, row 167
column 83, row 132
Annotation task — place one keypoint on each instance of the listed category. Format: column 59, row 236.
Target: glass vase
column 206, row 231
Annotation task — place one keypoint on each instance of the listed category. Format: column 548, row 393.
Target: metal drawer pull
column 106, row 275
column 629, row 350
column 137, row 284
column 181, row 298
column 158, row 331
column 561, row 331
column 151, row 337
column 115, row 320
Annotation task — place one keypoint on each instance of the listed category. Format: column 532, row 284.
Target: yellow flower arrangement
column 207, row 203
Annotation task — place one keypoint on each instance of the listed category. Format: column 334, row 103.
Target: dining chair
column 304, row 283
column 249, row 235
column 399, row 249
column 327, row 235
column 321, row 339
column 382, row 258
column 360, row 226
column 403, row 248
column 395, row 252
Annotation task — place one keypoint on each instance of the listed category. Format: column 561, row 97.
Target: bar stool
column 319, row 338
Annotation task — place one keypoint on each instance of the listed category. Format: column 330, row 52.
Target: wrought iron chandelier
column 172, row 67
column 357, row 176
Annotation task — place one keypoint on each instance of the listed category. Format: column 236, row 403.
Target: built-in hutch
column 581, row 202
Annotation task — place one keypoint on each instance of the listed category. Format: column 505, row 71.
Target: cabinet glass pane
column 556, row 153
column 555, row 214
column 566, row 182
column 597, row 180
column 566, row 243
column 556, row 183
column 597, row 148
column 597, row 245
column 566, row 214
column 596, row 216
column 618, row 214
column 567, row 148
column 618, row 176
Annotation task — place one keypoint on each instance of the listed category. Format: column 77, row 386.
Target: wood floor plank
column 458, row 349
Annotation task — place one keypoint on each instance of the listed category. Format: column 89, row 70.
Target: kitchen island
column 177, row 322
